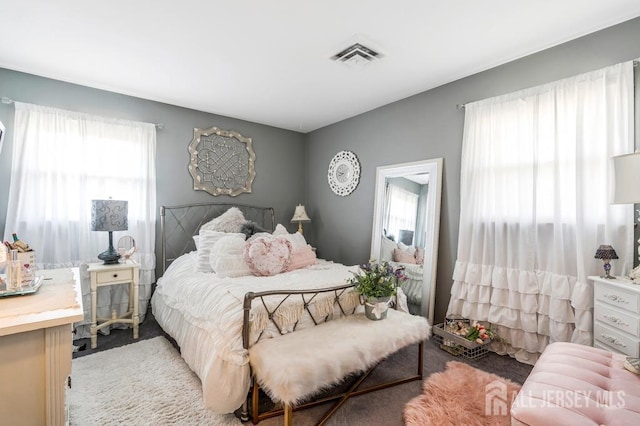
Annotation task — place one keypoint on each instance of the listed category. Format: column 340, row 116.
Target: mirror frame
column 434, row 168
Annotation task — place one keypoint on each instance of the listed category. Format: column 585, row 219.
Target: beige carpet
column 462, row 395
column 145, row 383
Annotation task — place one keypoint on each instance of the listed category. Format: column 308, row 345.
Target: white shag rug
column 144, row 383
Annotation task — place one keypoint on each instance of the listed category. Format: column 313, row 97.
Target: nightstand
column 616, row 315
column 119, row 273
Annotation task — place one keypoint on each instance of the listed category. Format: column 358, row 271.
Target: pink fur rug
column 462, row 395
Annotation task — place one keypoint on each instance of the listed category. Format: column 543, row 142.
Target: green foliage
column 377, row 279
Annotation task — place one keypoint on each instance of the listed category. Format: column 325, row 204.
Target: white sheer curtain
column 61, row 161
column 535, row 207
column 402, row 209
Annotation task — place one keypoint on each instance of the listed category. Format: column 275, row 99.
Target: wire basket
column 458, row 346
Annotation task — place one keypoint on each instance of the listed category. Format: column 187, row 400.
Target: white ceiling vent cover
column 356, row 55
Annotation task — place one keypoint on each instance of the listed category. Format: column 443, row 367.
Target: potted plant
column 377, row 283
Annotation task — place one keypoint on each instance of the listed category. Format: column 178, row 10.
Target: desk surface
column 57, row 302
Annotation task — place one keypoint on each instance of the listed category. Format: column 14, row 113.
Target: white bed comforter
column 204, row 314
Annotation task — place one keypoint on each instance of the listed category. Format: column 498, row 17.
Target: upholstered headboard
column 180, row 223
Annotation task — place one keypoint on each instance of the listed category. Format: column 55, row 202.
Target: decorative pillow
column 302, row 257
column 229, row 221
column 296, row 239
column 227, row 257
column 267, row 256
column 409, row 249
column 386, row 248
column 196, row 240
column 206, row 241
column 419, row 255
column 402, row 256
column 251, row 228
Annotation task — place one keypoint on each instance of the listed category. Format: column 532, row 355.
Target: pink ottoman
column 574, row 384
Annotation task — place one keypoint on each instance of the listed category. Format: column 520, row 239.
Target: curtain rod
column 9, row 101
column 461, row 106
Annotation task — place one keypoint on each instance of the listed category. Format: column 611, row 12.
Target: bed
column 412, row 260
column 206, row 313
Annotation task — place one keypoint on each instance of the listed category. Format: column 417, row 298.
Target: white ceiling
column 268, row 61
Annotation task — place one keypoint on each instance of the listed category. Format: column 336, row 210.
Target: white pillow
column 196, row 240
column 206, row 241
column 296, row 239
column 229, row 221
column 386, row 248
column 227, row 257
column 409, row 249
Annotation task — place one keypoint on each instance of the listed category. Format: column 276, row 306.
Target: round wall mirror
column 126, row 247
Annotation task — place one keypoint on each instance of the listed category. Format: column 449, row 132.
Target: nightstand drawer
column 617, row 297
column 617, row 319
column 103, row 277
column 617, row 340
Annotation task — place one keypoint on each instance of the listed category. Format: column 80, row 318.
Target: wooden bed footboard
column 304, row 297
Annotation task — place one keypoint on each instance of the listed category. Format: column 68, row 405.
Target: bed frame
column 180, row 223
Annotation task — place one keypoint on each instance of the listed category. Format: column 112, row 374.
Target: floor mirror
column 406, row 223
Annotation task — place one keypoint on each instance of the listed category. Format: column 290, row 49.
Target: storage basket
column 457, row 345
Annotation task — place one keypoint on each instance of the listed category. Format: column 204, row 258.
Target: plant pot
column 376, row 308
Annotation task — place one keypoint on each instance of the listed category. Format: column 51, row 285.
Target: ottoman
column 573, row 384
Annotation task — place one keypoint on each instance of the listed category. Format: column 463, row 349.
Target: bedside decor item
column 222, row 162
column 376, row 283
column 126, row 247
column 606, row 253
column 299, row 216
column 109, row 216
column 344, row 173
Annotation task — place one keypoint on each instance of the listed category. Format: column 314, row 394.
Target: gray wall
column 280, row 154
column 425, row 126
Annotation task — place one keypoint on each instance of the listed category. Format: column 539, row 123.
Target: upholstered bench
column 574, row 384
column 321, row 361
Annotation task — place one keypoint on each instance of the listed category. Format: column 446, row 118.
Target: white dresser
column 616, row 315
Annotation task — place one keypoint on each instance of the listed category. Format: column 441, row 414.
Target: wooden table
column 36, row 349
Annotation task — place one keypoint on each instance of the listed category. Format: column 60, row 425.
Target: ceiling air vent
column 356, row 55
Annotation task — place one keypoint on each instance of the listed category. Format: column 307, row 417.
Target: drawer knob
column 615, row 298
column 115, row 275
column 613, row 340
column 615, row 320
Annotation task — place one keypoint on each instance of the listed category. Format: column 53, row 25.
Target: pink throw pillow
column 302, row 257
column 267, row 256
column 403, row 256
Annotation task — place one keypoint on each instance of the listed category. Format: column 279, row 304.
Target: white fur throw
column 292, row 367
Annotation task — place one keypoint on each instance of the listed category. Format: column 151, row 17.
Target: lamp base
column 110, row 256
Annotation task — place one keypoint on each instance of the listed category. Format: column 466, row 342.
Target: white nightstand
column 616, row 315
column 120, row 273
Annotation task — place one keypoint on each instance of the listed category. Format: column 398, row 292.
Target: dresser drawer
column 616, row 340
column 616, row 318
column 618, row 297
column 114, row 276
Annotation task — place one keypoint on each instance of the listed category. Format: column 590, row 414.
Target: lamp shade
column 300, row 215
column 627, row 179
column 606, row 252
column 109, row 215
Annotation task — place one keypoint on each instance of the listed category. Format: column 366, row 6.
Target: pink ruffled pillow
column 267, row 256
column 403, row 256
column 302, row 257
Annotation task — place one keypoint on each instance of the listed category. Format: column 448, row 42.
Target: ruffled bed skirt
column 527, row 309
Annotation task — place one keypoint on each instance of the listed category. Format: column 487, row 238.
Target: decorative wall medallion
column 344, row 173
column 222, row 162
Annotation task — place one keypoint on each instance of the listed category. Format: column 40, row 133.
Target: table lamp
column 299, row 216
column 606, row 253
column 108, row 216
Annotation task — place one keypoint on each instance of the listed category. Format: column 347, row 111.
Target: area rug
column 145, row 383
column 462, row 395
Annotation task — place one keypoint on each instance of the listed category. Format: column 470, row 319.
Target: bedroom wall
column 280, row 154
column 425, row 126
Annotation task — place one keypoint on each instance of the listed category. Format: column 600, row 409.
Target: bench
column 321, row 361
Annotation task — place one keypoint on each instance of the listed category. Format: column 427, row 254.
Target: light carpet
column 144, row 383
column 462, row 395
